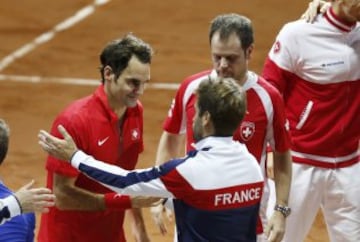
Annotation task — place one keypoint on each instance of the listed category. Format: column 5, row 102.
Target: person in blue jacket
column 17, row 216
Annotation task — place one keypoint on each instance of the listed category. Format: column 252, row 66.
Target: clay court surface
column 32, row 73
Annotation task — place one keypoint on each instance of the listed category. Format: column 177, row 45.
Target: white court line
column 45, row 37
column 76, row 81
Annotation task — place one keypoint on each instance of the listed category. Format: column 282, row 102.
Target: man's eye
column 231, row 58
column 134, row 83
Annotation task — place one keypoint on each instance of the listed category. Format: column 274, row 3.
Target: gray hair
column 4, row 139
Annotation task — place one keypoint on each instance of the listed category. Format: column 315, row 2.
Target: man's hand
column 35, row 199
column 62, row 149
column 315, row 7
column 275, row 228
column 157, row 215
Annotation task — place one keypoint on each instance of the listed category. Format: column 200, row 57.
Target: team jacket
column 95, row 129
column 317, row 69
column 216, row 189
column 9, row 207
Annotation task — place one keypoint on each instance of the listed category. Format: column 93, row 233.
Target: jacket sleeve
column 145, row 182
column 9, row 207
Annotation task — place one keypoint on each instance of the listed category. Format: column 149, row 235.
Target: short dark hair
column 118, row 53
column 4, row 140
column 225, row 101
column 227, row 24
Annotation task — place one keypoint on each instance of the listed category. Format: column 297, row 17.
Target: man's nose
column 223, row 62
column 139, row 89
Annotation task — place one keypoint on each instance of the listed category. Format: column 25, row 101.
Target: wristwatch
column 284, row 210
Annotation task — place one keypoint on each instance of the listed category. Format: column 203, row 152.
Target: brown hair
column 118, row 53
column 225, row 101
column 227, row 24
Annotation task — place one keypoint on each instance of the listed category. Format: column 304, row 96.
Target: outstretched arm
column 144, row 182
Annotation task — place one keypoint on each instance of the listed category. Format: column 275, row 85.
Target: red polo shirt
column 96, row 130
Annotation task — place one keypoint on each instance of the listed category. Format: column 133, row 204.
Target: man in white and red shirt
column 317, row 69
column 231, row 40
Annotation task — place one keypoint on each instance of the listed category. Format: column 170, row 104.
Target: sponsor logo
column 101, row 142
column 330, row 64
column 247, row 130
column 277, row 47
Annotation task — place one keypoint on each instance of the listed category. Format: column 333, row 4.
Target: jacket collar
column 334, row 20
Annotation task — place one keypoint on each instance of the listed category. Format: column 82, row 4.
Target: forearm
column 282, row 176
column 170, row 146
column 72, row 198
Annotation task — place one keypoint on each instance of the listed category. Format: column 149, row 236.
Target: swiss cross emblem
column 135, row 134
column 247, row 130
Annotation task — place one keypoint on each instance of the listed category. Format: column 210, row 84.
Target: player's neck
column 243, row 80
column 118, row 108
column 342, row 14
column 120, row 112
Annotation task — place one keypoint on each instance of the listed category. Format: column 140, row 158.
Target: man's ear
column 206, row 118
column 249, row 52
column 108, row 73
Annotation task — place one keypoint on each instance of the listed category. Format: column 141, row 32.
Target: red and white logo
column 102, row 141
column 135, row 134
column 117, row 195
column 247, row 130
column 277, row 47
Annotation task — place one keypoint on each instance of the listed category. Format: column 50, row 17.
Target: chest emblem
column 247, row 130
column 277, row 47
column 135, row 134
